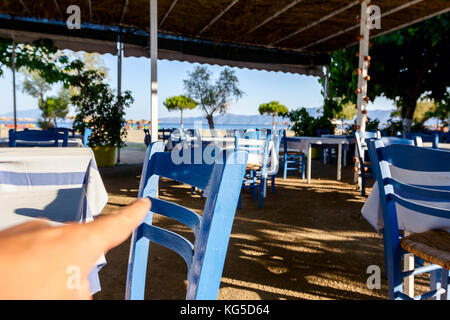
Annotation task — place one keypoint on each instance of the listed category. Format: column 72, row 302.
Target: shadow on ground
column 307, row 242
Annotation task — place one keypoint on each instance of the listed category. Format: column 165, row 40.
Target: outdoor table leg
column 308, row 170
column 339, row 162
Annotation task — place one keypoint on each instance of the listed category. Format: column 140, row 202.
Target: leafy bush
column 102, row 111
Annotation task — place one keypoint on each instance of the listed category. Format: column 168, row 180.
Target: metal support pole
column 13, row 66
column 153, row 68
column 363, row 76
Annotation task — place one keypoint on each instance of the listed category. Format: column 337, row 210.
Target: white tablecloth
column 409, row 220
column 303, row 144
column 60, row 184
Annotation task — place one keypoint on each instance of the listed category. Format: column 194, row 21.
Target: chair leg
column 261, row 191
column 445, row 274
column 363, row 182
column 303, row 166
column 240, row 201
column 435, row 282
column 273, row 184
column 285, row 167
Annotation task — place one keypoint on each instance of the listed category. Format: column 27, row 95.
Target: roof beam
column 276, row 14
column 174, row 2
column 334, row 13
column 406, row 24
column 403, row 6
column 123, row 11
column 25, row 6
column 59, row 9
column 90, row 10
column 218, row 17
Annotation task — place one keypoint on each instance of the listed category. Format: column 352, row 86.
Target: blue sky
column 291, row 90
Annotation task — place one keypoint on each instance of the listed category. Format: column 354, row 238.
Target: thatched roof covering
column 299, row 29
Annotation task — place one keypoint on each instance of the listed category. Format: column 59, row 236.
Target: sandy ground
column 307, row 242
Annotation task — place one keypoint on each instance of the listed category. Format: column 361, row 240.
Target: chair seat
column 432, row 246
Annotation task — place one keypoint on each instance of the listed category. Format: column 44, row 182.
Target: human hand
column 36, row 260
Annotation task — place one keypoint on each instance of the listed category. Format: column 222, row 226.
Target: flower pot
column 105, row 156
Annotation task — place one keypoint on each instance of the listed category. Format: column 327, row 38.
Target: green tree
column 34, row 85
column 98, row 108
column 56, row 107
column 212, row 97
column 273, row 108
column 40, row 56
column 405, row 65
column 180, row 103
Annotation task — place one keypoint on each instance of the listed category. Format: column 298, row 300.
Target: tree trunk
column 210, row 119
column 407, row 113
column 181, row 118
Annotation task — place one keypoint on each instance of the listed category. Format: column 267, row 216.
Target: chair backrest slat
column 424, row 159
column 170, row 240
column 37, row 136
column 177, row 212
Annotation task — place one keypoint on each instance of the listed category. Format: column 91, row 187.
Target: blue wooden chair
column 326, row 150
column 256, row 176
column 431, row 246
column 86, row 135
column 291, row 160
column 205, row 258
column 425, row 137
column 277, row 136
column 361, row 156
column 37, row 138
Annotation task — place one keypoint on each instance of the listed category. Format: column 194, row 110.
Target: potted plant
column 102, row 111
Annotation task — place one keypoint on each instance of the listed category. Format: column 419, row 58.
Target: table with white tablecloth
column 409, row 220
column 304, row 144
column 59, row 184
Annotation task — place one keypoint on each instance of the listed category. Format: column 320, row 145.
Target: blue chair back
column 395, row 140
column 392, row 192
column 361, row 143
column 42, row 138
column 206, row 256
column 262, row 149
column 86, row 135
column 425, row 137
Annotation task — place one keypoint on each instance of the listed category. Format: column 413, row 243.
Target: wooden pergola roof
column 263, row 32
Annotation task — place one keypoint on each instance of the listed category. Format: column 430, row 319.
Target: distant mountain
column 29, row 113
column 236, row 119
column 225, row 119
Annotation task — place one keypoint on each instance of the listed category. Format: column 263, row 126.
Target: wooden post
column 362, row 71
column 153, row 67
column 119, row 79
